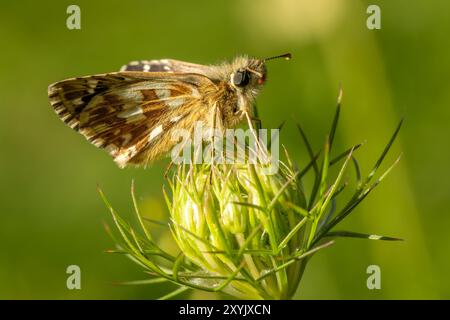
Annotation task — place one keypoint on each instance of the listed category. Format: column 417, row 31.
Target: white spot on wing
column 98, row 142
column 125, row 155
column 112, row 149
column 155, row 132
column 73, row 123
column 77, row 101
column 162, row 93
column 92, row 82
column 175, row 102
column 195, row 92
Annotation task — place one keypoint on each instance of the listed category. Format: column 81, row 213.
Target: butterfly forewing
column 130, row 114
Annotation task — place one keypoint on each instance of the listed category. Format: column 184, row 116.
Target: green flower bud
column 231, row 220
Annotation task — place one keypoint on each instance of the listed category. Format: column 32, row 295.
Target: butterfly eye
column 241, row 78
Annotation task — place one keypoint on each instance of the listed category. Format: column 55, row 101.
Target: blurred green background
column 50, row 212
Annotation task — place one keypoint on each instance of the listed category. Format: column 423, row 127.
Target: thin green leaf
column 324, row 169
column 345, row 154
column 250, row 205
column 336, row 118
column 163, row 224
column 257, row 182
column 138, row 214
column 230, row 278
column 384, row 153
column 384, row 175
column 313, row 250
column 309, row 149
column 239, row 252
column 280, row 192
column 195, row 236
column 311, row 163
column 291, row 234
column 174, row 293
column 167, row 199
column 176, row 266
column 248, row 240
column 297, row 209
column 136, row 240
column 320, row 180
column 351, row 234
column 357, row 172
column 327, row 217
column 336, row 183
column 295, row 259
column 186, row 275
column 141, row 282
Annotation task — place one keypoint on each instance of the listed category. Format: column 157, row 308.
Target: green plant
column 246, row 233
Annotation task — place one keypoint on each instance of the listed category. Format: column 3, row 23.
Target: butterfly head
column 248, row 74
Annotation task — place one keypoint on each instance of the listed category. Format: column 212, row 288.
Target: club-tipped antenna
column 286, row 56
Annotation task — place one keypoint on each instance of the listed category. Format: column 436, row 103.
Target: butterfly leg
column 166, row 172
column 217, row 132
column 254, row 116
column 257, row 121
column 261, row 148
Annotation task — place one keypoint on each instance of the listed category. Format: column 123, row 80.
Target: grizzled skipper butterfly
column 133, row 113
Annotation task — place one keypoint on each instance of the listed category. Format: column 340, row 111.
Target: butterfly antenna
column 286, row 56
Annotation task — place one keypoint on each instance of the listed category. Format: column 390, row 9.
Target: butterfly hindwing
column 166, row 65
column 148, row 66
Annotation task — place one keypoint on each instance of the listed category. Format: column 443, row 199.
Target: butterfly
column 133, row 113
